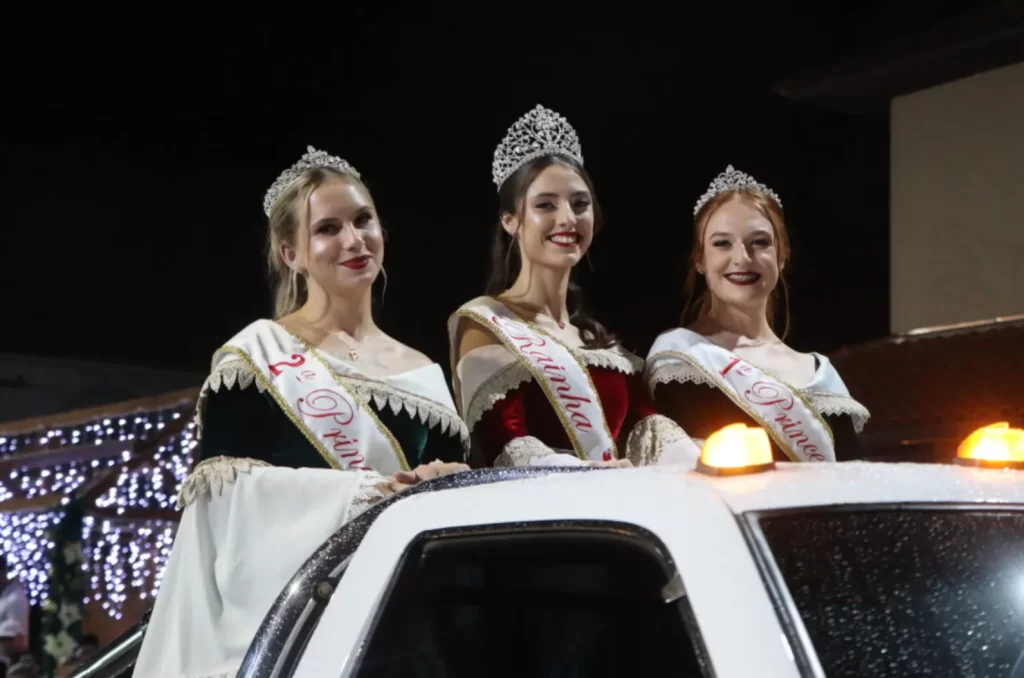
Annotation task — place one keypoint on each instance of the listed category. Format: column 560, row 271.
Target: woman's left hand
column 435, row 469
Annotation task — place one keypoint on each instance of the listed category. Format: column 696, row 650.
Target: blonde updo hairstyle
column 289, row 225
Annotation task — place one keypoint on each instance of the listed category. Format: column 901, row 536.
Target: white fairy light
column 126, row 557
column 123, row 557
column 24, row 543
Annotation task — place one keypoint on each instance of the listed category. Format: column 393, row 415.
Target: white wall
column 957, row 201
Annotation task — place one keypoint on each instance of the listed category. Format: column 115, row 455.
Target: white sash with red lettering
column 560, row 373
column 313, row 393
column 781, row 410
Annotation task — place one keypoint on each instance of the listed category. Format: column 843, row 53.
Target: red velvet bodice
column 526, row 411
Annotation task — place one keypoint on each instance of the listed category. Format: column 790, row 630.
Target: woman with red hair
column 728, row 365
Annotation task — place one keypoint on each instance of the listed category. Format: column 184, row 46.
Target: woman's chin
column 561, row 261
column 355, row 281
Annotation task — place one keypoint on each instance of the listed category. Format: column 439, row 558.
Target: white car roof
column 787, row 486
column 689, row 512
column 810, row 484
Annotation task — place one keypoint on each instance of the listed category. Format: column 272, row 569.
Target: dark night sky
column 140, row 150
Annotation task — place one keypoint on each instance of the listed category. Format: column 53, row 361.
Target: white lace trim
column 836, row 404
column 617, row 359
column 427, row 411
column 227, row 375
column 367, row 493
column 230, row 373
column 210, row 477
column 506, row 380
column 680, row 373
column 515, row 374
column 649, row 438
column 823, row 402
column 521, row 451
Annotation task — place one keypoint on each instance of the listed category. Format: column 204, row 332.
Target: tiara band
column 538, row 133
column 310, row 160
column 733, row 180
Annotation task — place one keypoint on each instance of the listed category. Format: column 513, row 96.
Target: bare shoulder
column 409, row 357
column 472, row 335
column 300, row 328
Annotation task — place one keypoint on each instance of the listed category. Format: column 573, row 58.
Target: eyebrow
column 550, row 194
column 365, row 209
column 720, row 234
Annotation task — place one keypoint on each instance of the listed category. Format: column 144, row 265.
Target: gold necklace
column 353, row 353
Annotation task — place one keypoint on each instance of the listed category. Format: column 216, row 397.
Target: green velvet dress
column 247, row 423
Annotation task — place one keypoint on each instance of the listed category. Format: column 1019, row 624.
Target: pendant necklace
column 353, row 353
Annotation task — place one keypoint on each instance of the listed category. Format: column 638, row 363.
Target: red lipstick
column 357, row 263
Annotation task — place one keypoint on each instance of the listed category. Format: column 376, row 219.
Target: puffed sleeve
column 238, row 423
column 655, row 439
column 502, row 435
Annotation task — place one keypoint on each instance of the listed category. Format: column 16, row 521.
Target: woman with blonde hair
column 305, row 421
column 728, row 365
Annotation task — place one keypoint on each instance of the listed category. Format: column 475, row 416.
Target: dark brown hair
column 506, row 260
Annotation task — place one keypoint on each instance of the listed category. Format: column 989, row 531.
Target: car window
column 911, row 592
column 549, row 603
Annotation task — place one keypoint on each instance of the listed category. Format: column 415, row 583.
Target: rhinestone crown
column 312, row 159
column 731, row 180
column 538, row 133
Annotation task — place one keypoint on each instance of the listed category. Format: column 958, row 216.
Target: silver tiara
column 312, row 159
column 538, row 133
column 731, row 180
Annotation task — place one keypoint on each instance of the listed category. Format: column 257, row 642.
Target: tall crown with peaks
column 312, row 159
column 538, row 133
column 732, row 180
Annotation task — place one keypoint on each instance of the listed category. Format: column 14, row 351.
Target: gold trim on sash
column 537, row 375
column 283, row 404
column 727, row 389
column 396, row 447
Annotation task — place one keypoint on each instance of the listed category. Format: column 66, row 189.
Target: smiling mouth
column 743, row 278
column 356, row 262
column 565, row 239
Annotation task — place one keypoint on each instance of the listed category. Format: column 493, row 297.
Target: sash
column 339, row 424
column 779, row 408
column 563, row 378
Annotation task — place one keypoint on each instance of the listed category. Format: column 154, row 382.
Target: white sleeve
column 530, row 451
column 245, row 531
column 656, row 440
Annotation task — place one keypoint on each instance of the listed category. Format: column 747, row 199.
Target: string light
column 122, row 557
column 27, row 549
column 156, row 484
column 95, row 432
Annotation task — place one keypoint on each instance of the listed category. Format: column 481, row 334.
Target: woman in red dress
column 538, row 380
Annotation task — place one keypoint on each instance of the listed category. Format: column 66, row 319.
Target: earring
column 383, row 289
